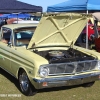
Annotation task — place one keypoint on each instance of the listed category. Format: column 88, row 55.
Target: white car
column 25, row 21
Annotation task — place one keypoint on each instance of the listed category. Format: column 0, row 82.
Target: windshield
column 23, row 36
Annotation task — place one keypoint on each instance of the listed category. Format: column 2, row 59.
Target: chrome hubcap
column 24, row 82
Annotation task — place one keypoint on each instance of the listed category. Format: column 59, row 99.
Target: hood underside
column 58, row 30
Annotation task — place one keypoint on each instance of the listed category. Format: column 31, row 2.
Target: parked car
column 44, row 55
column 25, row 21
column 90, row 33
column 35, row 18
column 97, row 32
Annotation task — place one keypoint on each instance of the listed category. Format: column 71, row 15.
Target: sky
column 43, row 3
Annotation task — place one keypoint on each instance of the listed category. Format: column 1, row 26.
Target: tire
column 88, row 84
column 25, row 85
column 83, row 38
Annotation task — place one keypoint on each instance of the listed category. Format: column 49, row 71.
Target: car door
column 5, row 50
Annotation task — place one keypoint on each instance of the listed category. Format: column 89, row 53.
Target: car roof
column 14, row 26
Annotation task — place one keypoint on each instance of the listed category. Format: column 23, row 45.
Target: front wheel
column 25, row 85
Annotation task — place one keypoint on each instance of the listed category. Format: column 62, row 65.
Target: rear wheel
column 25, row 85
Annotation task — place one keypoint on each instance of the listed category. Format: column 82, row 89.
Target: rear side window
column 6, row 34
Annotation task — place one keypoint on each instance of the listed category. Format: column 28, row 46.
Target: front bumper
column 65, row 81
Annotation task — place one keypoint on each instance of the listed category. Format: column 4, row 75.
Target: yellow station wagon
column 44, row 55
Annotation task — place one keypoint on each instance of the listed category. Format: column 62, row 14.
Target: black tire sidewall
column 29, row 90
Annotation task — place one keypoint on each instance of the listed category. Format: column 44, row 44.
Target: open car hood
column 58, row 30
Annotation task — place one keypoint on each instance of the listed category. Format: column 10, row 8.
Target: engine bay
column 63, row 56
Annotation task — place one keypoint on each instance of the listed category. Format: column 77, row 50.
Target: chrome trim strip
column 65, row 78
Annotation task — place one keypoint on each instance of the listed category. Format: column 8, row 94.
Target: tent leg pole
column 87, row 34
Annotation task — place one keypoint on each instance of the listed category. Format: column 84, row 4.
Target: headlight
column 44, row 71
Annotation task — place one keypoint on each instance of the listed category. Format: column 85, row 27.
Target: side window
column 6, row 33
column 23, row 38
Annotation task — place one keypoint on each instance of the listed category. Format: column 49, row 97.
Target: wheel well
column 20, row 69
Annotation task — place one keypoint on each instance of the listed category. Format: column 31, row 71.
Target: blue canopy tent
column 15, row 16
column 4, row 16
column 75, row 5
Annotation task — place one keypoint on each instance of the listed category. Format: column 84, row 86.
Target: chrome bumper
column 65, row 81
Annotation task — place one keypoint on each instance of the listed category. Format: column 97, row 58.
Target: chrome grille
column 71, row 68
